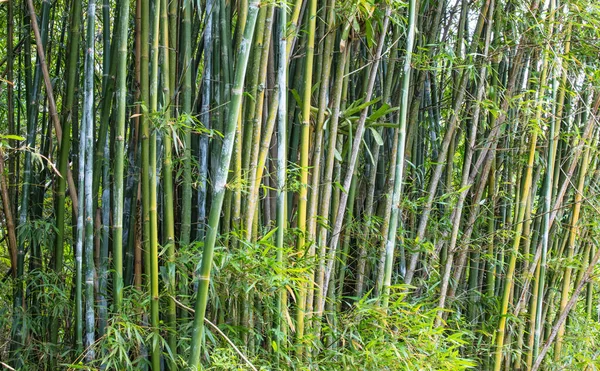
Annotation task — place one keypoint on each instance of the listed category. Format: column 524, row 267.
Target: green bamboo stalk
column 67, row 114
column 10, row 99
column 186, row 109
column 238, row 146
column 120, row 118
column 168, row 200
column 491, row 227
column 257, row 150
column 529, row 236
column 225, row 86
column 172, row 41
column 108, row 88
column 145, row 168
column 131, row 219
column 346, row 243
column 387, row 205
column 590, row 289
column 219, row 184
column 325, row 70
column 106, row 44
column 399, row 172
column 242, row 11
column 217, row 122
column 150, row 168
column 248, row 123
column 336, row 98
column 304, row 158
column 67, row 117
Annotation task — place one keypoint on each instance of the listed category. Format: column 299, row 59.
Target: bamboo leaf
column 12, row 137
column 369, row 152
column 378, row 139
column 337, row 155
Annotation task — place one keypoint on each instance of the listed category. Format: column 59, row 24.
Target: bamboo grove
column 302, row 184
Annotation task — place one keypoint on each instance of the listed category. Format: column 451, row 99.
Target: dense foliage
column 306, row 184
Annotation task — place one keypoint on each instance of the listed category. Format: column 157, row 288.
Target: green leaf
column 267, row 236
column 12, row 137
column 369, row 152
column 337, row 155
column 356, row 109
column 381, row 111
column 296, row 97
column 369, row 32
column 376, row 136
column 464, row 188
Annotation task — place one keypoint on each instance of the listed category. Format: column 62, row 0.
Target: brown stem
column 10, row 222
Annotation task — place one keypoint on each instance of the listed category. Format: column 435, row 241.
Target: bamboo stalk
column 257, row 153
column 205, row 119
column 120, row 112
column 151, row 169
column 168, row 200
column 301, row 243
column 281, row 164
column 398, row 174
column 87, row 138
column 220, row 184
column 325, row 66
column 186, row 109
